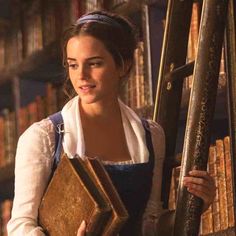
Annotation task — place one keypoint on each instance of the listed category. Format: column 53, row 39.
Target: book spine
column 206, row 222
column 207, row 217
column 215, row 204
column 115, row 225
column 229, row 184
column 222, row 184
column 119, row 214
column 97, row 221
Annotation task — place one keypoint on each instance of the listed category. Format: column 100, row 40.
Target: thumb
column 82, row 229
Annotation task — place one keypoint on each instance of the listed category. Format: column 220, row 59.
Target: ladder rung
column 180, row 72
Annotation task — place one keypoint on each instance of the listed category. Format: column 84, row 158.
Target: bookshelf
column 36, row 76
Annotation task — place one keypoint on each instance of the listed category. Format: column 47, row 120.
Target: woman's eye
column 73, row 66
column 95, row 64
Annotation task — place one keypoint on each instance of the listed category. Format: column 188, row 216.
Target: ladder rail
column 168, row 98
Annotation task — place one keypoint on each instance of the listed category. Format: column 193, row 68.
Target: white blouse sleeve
column 154, row 207
column 32, row 171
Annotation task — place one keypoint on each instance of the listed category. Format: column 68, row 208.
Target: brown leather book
column 75, row 194
column 119, row 214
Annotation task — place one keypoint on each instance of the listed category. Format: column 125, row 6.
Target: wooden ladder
column 216, row 16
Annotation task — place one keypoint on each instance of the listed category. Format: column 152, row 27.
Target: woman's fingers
column 201, row 178
column 82, row 229
column 202, row 185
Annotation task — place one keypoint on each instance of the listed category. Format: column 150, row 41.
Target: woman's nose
column 83, row 72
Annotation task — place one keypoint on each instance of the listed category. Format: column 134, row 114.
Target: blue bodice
column 133, row 183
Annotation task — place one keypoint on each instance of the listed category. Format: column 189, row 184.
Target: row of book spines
column 5, row 215
column 136, row 92
column 13, row 124
column 220, row 214
column 38, row 24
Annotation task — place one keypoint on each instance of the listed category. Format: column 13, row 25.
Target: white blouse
column 34, row 161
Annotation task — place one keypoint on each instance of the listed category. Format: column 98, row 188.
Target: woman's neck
column 100, row 111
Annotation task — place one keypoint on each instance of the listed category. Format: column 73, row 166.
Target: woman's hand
column 82, row 229
column 202, row 185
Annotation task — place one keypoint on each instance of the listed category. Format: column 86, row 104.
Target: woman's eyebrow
column 87, row 59
column 95, row 57
column 71, row 59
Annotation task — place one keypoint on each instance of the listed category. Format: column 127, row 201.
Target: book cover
column 74, row 194
column 70, row 198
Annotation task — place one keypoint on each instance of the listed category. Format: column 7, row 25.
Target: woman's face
column 92, row 70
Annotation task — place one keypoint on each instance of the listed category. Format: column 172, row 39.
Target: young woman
column 98, row 56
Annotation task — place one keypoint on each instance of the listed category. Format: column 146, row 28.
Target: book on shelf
column 215, row 204
column 174, row 187
column 222, row 184
column 229, row 183
column 207, row 217
column 136, row 92
column 206, row 222
column 90, row 196
column 13, row 124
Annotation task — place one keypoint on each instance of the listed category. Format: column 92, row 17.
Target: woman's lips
column 86, row 88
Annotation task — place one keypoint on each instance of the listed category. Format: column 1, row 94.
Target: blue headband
column 98, row 18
